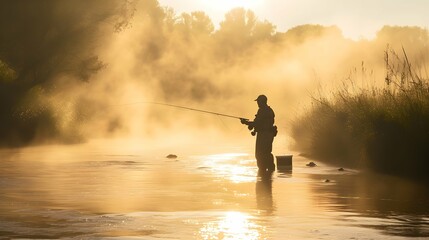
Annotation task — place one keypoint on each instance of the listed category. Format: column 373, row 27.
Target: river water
column 102, row 192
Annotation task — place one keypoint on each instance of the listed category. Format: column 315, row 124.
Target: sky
column 356, row 18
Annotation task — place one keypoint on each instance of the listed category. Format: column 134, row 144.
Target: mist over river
column 103, row 190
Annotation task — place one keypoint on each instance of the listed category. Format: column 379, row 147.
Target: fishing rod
column 188, row 108
column 197, row 110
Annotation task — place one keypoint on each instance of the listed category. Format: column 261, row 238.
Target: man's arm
column 250, row 124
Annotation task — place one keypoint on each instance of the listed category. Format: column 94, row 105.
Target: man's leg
column 259, row 152
column 264, row 146
column 268, row 148
column 270, row 162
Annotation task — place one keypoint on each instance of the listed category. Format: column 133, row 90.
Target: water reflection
column 395, row 206
column 48, row 193
column 226, row 166
column 264, row 192
column 284, row 173
column 233, row 225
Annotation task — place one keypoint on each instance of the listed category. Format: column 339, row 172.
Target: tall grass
column 383, row 128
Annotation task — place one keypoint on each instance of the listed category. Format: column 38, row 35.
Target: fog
column 73, row 71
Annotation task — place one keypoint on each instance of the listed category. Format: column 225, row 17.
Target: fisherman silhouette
column 265, row 131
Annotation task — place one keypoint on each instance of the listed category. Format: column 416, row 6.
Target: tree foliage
column 41, row 41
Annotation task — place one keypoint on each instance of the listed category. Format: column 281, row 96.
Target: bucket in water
column 284, row 162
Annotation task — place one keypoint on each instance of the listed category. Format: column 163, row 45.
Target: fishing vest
column 264, row 119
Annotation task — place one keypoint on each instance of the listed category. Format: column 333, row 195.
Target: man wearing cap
column 263, row 127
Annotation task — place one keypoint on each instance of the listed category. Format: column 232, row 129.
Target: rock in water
column 171, row 156
column 340, row 169
column 311, row 164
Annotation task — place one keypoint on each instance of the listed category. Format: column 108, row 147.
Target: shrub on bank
column 385, row 129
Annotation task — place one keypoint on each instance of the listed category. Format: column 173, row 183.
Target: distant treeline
column 51, row 52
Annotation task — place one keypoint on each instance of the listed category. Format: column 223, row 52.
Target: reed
column 382, row 128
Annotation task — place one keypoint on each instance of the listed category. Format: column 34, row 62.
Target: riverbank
column 379, row 128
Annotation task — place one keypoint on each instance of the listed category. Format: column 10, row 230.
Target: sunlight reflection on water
column 88, row 193
column 233, row 225
column 225, row 165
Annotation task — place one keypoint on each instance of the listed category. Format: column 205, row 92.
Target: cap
column 262, row 98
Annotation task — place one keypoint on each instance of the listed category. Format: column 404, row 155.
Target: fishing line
column 223, row 123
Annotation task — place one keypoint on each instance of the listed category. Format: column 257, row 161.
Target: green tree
column 302, row 33
column 196, row 23
column 240, row 31
column 43, row 40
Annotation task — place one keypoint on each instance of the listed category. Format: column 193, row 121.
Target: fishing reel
column 253, row 131
column 249, row 125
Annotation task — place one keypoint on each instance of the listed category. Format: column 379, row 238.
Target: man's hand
column 244, row 121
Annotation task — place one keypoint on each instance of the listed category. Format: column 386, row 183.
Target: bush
column 385, row 128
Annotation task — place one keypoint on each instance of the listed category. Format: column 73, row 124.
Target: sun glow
column 226, row 5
